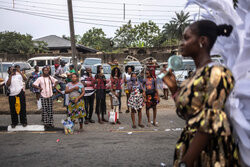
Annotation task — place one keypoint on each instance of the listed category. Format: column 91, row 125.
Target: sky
column 50, row 17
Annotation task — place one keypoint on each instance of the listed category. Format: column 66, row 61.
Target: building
column 60, row 45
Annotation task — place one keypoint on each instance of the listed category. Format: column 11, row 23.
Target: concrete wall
column 160, row 54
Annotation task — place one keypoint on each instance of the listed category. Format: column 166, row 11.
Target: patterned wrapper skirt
column 76, row 110
column 135, row 100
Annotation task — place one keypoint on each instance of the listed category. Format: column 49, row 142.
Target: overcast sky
column 51, row 15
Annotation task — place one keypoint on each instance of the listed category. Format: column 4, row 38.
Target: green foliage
column 77, row 38
column 40, row 46
column 142, row 35
column 16, row 43
column 172, row 31
column 96, row 38
column 125, row 36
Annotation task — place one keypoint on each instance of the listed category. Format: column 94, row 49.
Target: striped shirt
column 89, row 87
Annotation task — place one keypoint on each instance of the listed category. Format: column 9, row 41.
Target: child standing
column 114, row 99
column 136, row 100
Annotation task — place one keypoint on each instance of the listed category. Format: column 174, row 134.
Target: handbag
column 112, row 116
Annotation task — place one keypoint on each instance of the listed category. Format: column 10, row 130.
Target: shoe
column 86, row 122
column 24, row 125
column 80, row 126
column 133, row 126
column 13, row 126
column 127, row 111
column 100, row 122
column 156, row 125
column 91, row 121
column 51, row 126
column 104, row 120
column 142, row 126
column 118, row 122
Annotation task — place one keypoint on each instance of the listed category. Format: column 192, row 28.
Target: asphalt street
column 97, row 145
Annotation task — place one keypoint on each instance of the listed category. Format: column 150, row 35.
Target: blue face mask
column 133, row 79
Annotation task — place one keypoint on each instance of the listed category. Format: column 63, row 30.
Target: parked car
column 189, row 65
column 88, row 63
column 136, row 64
column 49, row 60
column 24, row 66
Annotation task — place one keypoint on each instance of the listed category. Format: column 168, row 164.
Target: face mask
column 133, row 79
column 101, row 71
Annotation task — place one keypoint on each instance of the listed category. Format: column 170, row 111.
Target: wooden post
column 72, row 34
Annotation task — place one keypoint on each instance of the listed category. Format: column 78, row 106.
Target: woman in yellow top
column 206, row 139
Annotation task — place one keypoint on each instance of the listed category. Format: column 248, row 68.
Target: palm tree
column 176, row 26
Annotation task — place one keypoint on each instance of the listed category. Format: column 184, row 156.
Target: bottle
column 174, row 62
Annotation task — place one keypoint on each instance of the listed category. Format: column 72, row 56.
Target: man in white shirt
column 17, row 96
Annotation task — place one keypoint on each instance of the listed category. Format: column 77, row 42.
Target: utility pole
column 199, row 13
column 124, row 10
column 72, row 34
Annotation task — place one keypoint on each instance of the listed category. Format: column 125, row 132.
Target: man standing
column 89, row 96
column 16, row 96
column 60, row 76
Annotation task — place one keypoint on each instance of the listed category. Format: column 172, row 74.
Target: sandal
column 142, row 126
column 133, row 126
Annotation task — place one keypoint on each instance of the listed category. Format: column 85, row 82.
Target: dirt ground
column 31, row 105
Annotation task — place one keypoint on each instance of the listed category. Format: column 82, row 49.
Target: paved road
column 98, row 145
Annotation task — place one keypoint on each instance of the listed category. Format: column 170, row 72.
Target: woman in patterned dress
column 135, row 100
column 152, row 96
column 206, row 139
column 75, row 89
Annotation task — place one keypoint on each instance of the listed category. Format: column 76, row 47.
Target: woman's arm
column 111, row 102
column 37, row 87
column 67, row 90
column 82, row 94
column 198, row 143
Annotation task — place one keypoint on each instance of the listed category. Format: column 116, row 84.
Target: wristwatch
column 182, row 164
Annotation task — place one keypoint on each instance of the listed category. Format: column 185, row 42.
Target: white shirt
column 16, row 84
column 128, row 76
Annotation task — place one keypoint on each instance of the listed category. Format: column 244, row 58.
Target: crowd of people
column 79, row 91
column 207, row 138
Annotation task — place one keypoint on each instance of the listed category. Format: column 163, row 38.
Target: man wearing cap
column 16, row 96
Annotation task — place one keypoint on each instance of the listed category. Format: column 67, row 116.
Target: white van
column 49, row 60
column 188, row 65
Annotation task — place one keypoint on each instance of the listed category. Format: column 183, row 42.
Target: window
column 31, row 62
column 41, row 63
column 5, row 67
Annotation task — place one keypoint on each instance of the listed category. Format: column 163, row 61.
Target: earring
column 201, row 46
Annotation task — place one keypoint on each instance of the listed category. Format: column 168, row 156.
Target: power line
column 103, row 8
column 76, row 15
column 60, row 17
column 89, row 13
column 84, row 18
column 45, row 16
column 134, row 4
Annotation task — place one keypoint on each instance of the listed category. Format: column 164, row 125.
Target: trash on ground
column 121, row 128
column 130, row 133
column 163, row 164
column 167, row 130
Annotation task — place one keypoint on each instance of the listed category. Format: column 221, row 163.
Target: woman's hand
column 170, row 81
column 76, row 100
